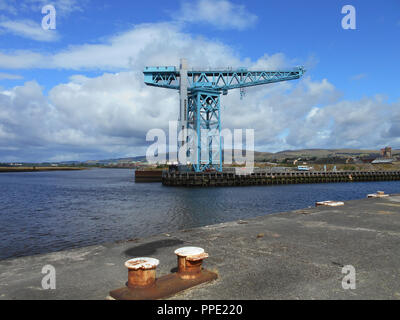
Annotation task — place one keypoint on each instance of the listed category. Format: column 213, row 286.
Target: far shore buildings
column 386, row 156
column 386, row 152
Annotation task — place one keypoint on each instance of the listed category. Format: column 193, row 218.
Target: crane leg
column 204, row 120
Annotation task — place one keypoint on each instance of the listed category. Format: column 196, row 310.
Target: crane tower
column 199, row 95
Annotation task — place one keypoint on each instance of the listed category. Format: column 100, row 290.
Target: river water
column 49, row 211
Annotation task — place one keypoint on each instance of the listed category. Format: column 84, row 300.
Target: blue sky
column 350, row 90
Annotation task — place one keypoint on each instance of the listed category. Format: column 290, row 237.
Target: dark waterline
column 49, row 211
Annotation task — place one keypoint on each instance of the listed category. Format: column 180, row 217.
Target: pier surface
column 293, row 255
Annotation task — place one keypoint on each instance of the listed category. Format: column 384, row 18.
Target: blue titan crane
column 200, row 92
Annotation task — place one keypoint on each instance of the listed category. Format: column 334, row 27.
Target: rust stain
column 268, row 234
column 385, row 212
column 303, row 211
column 197, row 257
column 131, row 263
column 189, row 261
column 142, row 263
column 163, row 287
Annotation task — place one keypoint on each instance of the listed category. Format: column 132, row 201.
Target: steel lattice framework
column 200, row 95
column 204, row 119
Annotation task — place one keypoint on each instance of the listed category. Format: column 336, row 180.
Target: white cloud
column 146, row 44
column 9, row 76
column 41, row 130
column 267, row 62
column 359, row 76
column 32, row 29
column 63, row 7
column 109, row 115
column 20, row 59
column 222, row 14
column 354, row 124
column 8, row 6
column 28, row 29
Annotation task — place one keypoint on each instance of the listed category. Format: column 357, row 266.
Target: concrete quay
column 291, row 255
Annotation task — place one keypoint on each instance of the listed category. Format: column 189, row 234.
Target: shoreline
column 37, row 169
column 290, row 255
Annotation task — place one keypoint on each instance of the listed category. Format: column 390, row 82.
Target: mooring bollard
column 142, row 282
column 190, row 260
column 141, row 272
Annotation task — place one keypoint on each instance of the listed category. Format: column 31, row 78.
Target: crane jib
column 169, row 77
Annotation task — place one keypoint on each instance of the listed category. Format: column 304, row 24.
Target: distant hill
column 270, row 156
column 117, row 160
column 320, row 153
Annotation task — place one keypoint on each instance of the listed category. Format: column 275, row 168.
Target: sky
column 76, row 92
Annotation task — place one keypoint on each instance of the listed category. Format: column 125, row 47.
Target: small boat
column 303, row 168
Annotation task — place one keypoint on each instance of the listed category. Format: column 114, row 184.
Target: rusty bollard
column 142, row 282
column 189, row 261
column 141, row 272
